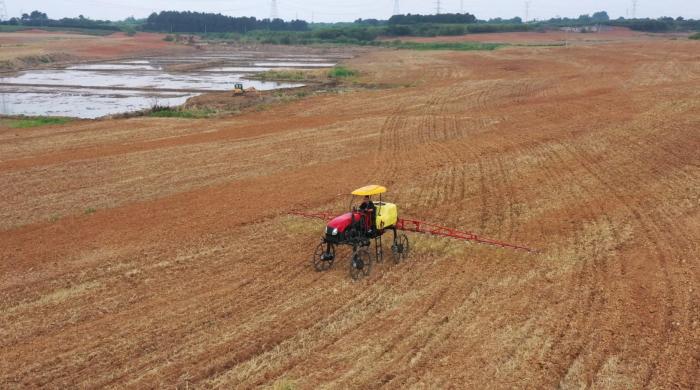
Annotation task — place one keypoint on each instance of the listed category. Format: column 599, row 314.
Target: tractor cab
column 238, row 89
column 380, row 215
column 369, row 215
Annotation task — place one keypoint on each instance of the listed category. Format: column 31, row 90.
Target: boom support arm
column 412, row 225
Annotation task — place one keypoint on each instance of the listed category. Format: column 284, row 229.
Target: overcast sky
column 349, row 10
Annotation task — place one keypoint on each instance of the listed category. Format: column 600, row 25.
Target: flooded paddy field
column 96, row 89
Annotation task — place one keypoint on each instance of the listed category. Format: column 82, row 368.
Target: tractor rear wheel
column 400, row 248
column 360, row 263
column 324, row 256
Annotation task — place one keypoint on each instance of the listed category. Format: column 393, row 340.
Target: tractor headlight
column 334, row 232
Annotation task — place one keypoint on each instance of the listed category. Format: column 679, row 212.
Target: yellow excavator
column 238, row 89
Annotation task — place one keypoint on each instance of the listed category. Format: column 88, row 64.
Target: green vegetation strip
column 460, row 46
column 74, row 30
column 24, row 123
column 283, row 74
column 337, row 72
column 169, row 112
column 695, row 36
column 341, row 72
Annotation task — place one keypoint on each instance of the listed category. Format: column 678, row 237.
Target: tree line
column 198, row 22
column 361, row 30
column 40, row 19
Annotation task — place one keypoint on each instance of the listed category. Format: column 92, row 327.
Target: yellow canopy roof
column 371, row 189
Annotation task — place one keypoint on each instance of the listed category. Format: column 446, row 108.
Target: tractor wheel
column 360, row 263
column 323, row 259
column 400, row 248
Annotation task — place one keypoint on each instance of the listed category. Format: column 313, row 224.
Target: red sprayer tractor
column 368, row 222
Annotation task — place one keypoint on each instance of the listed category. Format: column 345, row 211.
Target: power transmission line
column 273, row 10
column 527, row 11
column 461, row 6
column 437, row 7
column 634, row 9
column 3, row 10
column 397, row 10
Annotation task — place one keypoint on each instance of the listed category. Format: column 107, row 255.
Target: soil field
column 152, row 252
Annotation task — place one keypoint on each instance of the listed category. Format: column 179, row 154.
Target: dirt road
column 157, row 252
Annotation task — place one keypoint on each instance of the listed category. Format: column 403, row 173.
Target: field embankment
column 36, row 48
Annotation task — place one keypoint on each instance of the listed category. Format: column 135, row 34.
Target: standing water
column 98, row 89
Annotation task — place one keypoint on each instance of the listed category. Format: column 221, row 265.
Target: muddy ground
column 154, row 252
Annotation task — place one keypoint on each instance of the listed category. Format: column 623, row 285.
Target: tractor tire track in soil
column 665, row 237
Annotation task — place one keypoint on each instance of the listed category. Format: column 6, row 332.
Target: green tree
column 601, row 16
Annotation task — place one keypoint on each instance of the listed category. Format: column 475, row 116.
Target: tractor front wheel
column 324, row 256
column 360, row 263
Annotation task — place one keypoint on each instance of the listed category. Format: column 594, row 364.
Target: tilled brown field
column 145, row 253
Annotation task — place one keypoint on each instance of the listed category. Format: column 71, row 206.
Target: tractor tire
column 400, row 248
column 360, row 263
column 323, row 260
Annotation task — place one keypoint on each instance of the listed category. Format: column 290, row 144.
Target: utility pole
column 3, row 11
column 634, row 9
column 461, row 6
column 397, row 10
column 437, row 7
column 527, row 11
column 273, row 10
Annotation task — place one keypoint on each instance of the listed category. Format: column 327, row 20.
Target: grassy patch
column 695, row 36
column 300, row 75
column 297, row 225
column 24, row 123
column 458, row 46
column 341, row 72
column 6, row 28
column 284, row 75
column 284, row 384
column 169, row 112
column 90, row 210
column 73, row 30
